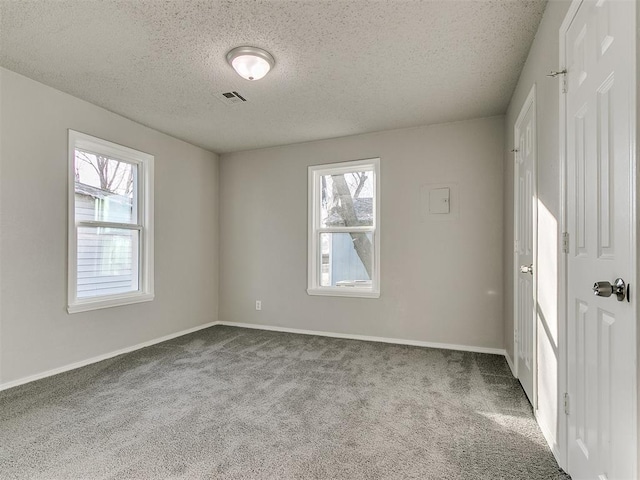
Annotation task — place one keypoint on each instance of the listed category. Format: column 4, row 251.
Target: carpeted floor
column 235, row 403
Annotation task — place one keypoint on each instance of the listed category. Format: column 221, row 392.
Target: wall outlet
column 258, row 305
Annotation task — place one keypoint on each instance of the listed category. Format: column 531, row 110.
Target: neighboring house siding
column 107, row 258
column 345, row 262
column 85, row 207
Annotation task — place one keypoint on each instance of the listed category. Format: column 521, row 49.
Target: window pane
column 105, row 189
column 107, row 261
column 346, row 259
column 346, row 199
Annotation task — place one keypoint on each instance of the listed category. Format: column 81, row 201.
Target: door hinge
column 563, row 76
column 566, row 404
column 565, row 242
column 516, row 246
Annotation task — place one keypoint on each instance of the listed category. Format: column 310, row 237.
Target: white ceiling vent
column 231, row 98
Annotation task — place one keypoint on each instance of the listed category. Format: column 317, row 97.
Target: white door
column 525, row 221
column 601, row 331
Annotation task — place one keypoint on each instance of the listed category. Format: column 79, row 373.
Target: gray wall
column 543, row 58
column 36, row 333
column 441, row 277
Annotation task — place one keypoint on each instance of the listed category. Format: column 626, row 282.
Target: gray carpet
column 234, row 403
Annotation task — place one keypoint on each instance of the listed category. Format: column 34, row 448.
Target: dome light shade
column 250, row 63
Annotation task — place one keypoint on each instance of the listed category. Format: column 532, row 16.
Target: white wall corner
column 551, row 440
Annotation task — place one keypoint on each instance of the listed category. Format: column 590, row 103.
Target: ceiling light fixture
column 251, row 63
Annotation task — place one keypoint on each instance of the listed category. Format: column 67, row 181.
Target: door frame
column 563, row 364
column 530, row 102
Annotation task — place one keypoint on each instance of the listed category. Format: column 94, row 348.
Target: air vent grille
column 231, row 98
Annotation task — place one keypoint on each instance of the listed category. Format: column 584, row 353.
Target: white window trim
column 144, row 162
column 313, row 269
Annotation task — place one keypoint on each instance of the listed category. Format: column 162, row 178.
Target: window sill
column 108, row 302
column 344, row 292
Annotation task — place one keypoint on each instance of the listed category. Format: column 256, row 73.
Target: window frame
column 144, row 185
column 314, row 261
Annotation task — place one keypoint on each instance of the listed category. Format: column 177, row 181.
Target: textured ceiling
column 342, row 66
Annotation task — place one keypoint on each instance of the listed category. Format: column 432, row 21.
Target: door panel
column 525, row 302
column 605, row 179
column 601, row 331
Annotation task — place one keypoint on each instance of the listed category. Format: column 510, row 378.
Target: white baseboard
column 510, row 363
column 398, row 341
column 550, row 439
column 99, row 358
column 368, row 338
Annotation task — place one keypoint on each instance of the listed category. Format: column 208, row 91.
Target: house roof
column 88, row 190
column 95, row 192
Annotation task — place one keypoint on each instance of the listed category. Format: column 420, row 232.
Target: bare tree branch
column 362, row 179
column 109, row 180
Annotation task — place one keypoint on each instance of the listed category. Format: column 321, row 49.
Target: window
column 110, row 224
column 344, row 235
